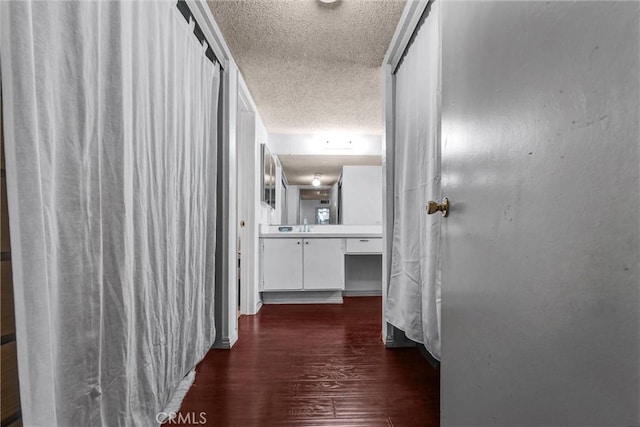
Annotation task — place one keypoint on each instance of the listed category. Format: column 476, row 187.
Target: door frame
column 409, row 21
column 244, row 174
column 225, row 318
column 233, row 91
column 248, row 198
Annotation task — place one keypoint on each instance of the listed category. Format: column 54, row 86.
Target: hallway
column 320, row 365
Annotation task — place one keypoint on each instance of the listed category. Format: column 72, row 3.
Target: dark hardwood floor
column 314, row 365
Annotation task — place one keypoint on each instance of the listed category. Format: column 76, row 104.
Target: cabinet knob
column 298, row 242
column 306, row 243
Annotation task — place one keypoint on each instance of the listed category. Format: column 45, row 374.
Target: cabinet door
column 323, row 264
column 282, row 264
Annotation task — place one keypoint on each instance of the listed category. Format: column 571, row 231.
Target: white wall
column 362, row 195
column 316, row 144
column 293, row 204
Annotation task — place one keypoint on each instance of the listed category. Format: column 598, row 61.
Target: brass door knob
column 433, row 207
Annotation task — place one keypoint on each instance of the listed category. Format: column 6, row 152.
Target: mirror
column 268, row 177
column 321, row 204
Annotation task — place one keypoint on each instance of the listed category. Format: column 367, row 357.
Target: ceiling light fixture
column 327, row 1
column 316, row 180
column 338, row 145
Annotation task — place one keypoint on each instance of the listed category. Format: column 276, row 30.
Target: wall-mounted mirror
column 317, row 204
column 268, row 177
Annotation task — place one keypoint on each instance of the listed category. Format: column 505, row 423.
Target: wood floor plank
column 315, row 365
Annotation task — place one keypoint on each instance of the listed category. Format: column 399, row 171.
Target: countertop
column 320, row 231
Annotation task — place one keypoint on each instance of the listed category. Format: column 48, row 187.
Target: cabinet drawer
column 364, row 246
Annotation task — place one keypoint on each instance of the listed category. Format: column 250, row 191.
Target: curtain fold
column 413, row 301
column 110, row 124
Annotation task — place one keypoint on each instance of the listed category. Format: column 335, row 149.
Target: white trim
column 258, row 306
column 247, row 202
column 250, row 302
column 203, row 16
column 302, row 297
column 284, row 178
column 226, row 319
column 243, row 102
column 235, row 95
column 227, row 343
column 388, row 173
column 245, row 94
column 230, row 180
column 409, row 20
column 361, row 293
column 403, row 342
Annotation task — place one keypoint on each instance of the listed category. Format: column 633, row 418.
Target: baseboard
column 302, row 297
column 373, row 293
column 258, row 307
column 394, row 343
column 226, row 342
column 398, row 339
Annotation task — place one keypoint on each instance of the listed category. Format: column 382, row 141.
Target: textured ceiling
column 301, row 169
column 311, row 67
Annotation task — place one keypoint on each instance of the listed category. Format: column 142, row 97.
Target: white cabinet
column 282, row 264
column 290, row 264
column 364, row 246
column 323, row 262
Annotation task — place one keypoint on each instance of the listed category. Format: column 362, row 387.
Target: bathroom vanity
column 309, row 267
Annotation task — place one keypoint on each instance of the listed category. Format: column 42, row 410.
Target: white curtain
column 110, row 124
column 413, row 302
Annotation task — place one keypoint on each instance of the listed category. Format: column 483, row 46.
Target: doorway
column 247, row 231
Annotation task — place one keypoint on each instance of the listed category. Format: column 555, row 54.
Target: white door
column 539, row 255
column 323, row 264
column 282, row 264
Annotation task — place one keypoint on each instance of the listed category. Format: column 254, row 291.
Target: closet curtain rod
column 197, row 31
